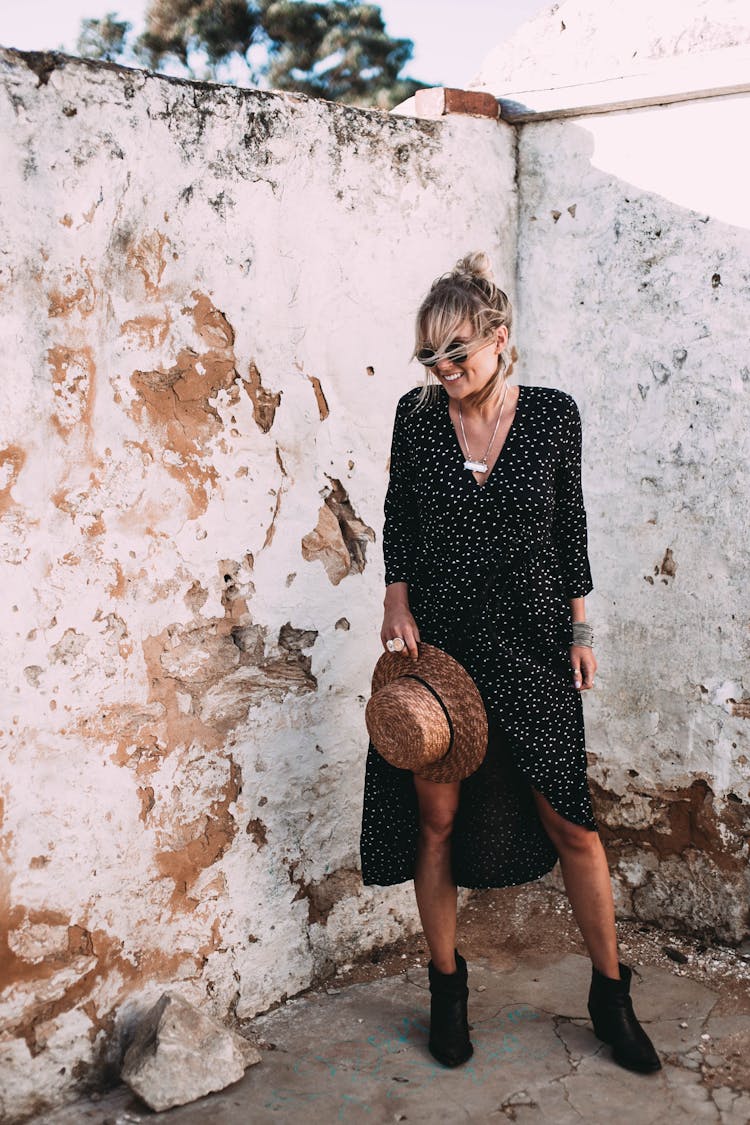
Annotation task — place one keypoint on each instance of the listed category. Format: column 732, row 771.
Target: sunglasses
column 456, row 352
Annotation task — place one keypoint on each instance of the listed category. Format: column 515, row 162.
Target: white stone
column 180, row 1054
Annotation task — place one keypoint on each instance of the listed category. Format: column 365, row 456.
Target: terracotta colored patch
column 147, row 331
column 70, row 981
column 206, row 841
column 12, row 460
column 73, row 372
column 79, row 941
column 148, row 256
column 257, row 829
column 323, row 895
column 116, row 589
column 683, row 818
column 146, row 794
column 211, row 325
column 339, row 539
column 76, row 292
column 178, row 401
column 264, row 402
column 325, row 543
column 320, row 398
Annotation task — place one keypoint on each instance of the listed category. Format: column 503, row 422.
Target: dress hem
column 473, row 885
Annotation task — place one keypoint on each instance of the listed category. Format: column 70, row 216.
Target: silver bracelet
column 583, row 634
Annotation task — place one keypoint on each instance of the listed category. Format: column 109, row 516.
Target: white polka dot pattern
column 524, row 532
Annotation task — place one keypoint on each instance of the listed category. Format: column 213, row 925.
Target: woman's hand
column 583, row 662
column 398, row 620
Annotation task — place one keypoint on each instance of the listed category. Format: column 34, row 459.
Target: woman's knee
column 438, row 805
column 564, row 833
column 575, row 838
column 436, row 825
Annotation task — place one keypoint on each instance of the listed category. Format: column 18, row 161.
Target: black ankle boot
column 611, row 1011
column 449, row 1025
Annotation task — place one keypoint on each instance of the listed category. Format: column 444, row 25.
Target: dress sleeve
column 569, row 530
column 400, row 527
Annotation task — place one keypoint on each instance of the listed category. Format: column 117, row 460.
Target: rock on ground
column 180, row 1054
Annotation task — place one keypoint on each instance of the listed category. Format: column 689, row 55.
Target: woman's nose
column 446, row 366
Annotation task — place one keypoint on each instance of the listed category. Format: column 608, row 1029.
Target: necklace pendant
column 476, row 466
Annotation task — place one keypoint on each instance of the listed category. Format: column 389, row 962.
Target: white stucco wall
column 585, row 41
column 207, row 306
column 633, row 282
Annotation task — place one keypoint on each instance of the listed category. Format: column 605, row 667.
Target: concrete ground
column 355, row 1048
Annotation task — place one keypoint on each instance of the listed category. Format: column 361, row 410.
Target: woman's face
column 473, row 373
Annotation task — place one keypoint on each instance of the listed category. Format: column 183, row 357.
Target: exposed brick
column 440, row 100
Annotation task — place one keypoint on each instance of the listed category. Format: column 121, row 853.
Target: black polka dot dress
column 490, row 570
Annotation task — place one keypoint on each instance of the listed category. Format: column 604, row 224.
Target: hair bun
column 477, row 266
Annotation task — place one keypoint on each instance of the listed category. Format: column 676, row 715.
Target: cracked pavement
column 359, row 1053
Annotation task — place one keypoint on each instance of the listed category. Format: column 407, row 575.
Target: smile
column 452, row 378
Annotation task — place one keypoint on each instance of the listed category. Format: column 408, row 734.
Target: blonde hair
column 468, row 291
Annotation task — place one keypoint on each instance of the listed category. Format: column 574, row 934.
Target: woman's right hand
column 398, row 620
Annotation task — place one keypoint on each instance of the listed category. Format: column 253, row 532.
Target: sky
column 451, row 37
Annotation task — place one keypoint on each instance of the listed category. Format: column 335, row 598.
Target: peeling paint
column 78, row 292
column 12, row 460
column 323, row 895
column 340, row 538
column 179, row 401
column 148, row 257
column 320, row 398
column 73, row 371
column 257, row 829
column 674, row 819
column 668, row 565
column 326, row 545
column 200, row 843
column 265, row 403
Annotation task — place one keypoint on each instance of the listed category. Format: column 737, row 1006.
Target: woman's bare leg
column 585, row 872
column 433, row 882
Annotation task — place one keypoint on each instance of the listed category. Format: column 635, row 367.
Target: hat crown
column 408, row 724
column 435, row 724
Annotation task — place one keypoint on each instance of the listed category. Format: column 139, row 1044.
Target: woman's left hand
column 583, row 662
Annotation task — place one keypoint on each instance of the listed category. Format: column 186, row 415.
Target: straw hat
column 426, row 715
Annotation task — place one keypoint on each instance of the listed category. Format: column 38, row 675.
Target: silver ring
column 395, row 644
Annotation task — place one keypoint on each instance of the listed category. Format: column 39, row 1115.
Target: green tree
column 103, row 38
column 338, row 50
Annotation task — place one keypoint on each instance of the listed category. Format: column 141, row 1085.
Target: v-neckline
column 474, row 482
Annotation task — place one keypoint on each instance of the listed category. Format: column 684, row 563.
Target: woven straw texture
column 407, row 724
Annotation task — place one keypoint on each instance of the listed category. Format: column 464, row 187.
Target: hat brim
column 462, row 701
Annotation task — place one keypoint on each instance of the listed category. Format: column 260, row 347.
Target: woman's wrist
column 583, row 634
column 578, row 609
column 396, row 592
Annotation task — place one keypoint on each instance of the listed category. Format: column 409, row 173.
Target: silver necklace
column 480, row 466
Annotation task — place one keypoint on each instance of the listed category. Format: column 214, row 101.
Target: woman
column 485, row 548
